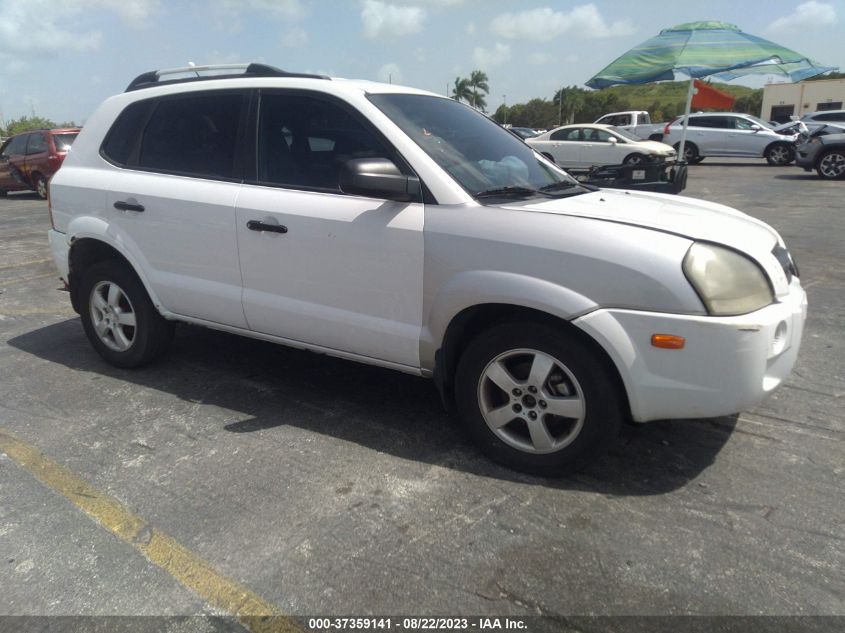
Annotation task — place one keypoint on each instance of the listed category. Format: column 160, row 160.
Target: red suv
column 27, row 160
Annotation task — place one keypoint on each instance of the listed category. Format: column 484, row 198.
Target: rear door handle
column 122, row 205
column 256, row 225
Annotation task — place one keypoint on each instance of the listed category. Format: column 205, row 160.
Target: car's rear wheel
column 831, row 165
column 691, row 154
column 118, row 317
column 537, row 398
column 634, row 159
column 39, row 184
column 780, row 154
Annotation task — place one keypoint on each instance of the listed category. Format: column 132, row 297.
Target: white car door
column 743, row 140
column 173, row 204
column 565, row 146
column 320, row 267
column 597, row 148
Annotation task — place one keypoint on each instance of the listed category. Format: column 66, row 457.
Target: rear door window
column 194, row 135
column 36, row 143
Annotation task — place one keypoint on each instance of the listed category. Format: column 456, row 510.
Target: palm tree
column 461, row 90
column 478, row 84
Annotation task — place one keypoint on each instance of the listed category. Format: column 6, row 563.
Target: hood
column 655, row 146
column 688, row 217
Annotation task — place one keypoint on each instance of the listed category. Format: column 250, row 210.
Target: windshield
column 480, row 155
column 625, row 134
column 64, row 141
column 759, row 121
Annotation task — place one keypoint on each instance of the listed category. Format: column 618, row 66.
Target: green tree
column 462, row 91
column 479, row 88
column 574, row 99
column 27, row 123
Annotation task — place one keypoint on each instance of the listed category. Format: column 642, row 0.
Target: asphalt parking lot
column 326, row 487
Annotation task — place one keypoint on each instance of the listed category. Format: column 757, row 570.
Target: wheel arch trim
column 96, row 229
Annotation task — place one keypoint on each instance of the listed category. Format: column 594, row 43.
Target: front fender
column 471, row 288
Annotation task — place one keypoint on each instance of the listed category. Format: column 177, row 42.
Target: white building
column 780, row 101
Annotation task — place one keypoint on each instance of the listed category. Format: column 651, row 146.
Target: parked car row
column 29, row 159
column 590, row 145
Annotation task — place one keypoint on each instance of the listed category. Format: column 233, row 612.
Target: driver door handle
column 257, row 225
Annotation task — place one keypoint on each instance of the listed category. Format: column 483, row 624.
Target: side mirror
column 378, row 178
column 755, row 127
column 612, row 140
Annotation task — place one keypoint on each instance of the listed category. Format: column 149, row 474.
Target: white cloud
column 390, row 73
column 381, row 19
column 539, row 58
column 486, row 58
column 419, row 55
column 544, row 24
column 294, row 38
column 809, row 15
column 228, row 12
column 471, row 28
column 45, row 27
column 283, row 8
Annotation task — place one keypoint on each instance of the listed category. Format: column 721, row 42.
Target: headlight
column 727, row 282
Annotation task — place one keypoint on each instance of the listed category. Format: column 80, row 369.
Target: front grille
column 787, row 263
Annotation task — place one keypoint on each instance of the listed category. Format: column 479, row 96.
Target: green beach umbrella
column 705, row 49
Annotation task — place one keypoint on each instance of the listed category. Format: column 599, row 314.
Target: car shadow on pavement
column 386, row 411
column 801, row 176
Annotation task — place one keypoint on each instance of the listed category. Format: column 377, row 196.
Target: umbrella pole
column 686, row 119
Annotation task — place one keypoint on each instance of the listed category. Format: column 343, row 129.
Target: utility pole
column 560, row 108
column 505, row 104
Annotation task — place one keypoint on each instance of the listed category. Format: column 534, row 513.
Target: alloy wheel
column 832, row 165
column 779, row 155
column 531, row 401
column 113, row 316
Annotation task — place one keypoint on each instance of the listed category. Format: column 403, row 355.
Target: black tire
column 691, row 154
column 831, row 165
column 656, row 137
column 634, row 159
column 39, row 185
column 779, row 154
column 3, row 193
column 151, row 334
column 595, row 383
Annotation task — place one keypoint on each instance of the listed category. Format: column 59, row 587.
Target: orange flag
column 709, row 97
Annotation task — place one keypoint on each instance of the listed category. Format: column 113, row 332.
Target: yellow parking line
column 223, row 593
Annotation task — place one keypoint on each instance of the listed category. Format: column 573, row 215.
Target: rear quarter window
column 124, row 133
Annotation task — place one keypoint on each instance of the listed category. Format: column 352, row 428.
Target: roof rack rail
column 153, row 78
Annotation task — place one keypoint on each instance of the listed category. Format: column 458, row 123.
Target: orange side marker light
column 668, row 341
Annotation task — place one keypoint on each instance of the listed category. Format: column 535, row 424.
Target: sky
column 61, row 58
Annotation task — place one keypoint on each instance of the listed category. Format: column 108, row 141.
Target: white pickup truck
column 635, row 121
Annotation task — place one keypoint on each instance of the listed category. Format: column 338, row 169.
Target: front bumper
column 805, row 157
column 60, row 250
column 727, row 365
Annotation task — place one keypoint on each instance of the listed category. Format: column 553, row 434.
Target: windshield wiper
column 506, row 191
column 563, row 184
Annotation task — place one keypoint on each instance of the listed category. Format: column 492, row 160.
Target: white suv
column 729, row 134
column 395, row 227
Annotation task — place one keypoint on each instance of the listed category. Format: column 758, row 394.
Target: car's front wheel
column 634, row 159
column 780, row 154
column 119, row 319
column 831, row 165
column 537, row 398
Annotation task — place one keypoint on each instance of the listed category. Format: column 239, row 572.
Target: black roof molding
column 154, row 77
